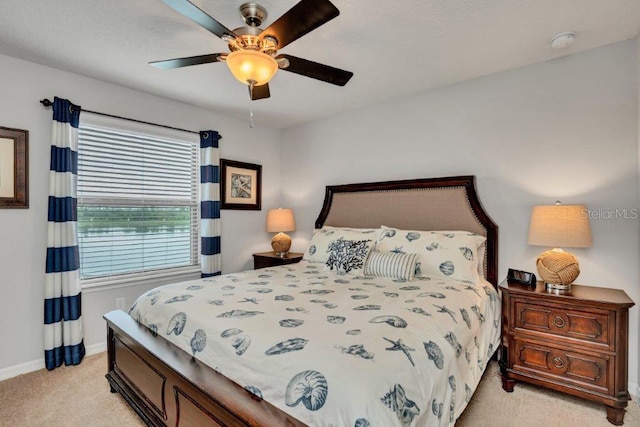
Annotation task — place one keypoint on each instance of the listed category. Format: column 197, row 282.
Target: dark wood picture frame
column 234, row 176
column 14, row 155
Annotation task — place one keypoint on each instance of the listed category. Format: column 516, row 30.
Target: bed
column 342, row 328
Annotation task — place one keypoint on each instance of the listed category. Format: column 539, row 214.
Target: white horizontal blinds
column 137, row 201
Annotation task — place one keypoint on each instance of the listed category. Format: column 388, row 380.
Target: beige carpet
column 530, row 406
column 39, row 399
column 67, row 396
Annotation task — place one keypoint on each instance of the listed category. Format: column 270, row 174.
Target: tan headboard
column 449, row 203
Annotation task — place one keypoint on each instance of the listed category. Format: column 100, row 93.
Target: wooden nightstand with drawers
column 576, row 342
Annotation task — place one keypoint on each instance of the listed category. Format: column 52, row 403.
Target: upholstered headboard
column 449, row 203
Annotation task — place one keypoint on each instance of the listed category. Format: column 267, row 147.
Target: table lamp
column 558, row 226
column 279, row 221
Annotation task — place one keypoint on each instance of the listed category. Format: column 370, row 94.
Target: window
column 138, row 206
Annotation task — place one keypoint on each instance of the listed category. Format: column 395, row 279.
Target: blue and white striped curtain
column 210, row 258
column 63, row 335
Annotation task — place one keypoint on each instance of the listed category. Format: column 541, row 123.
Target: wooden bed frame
column 167, row 386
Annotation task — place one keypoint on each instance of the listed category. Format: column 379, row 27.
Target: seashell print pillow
column 318, row 248
column 451, row 254
column 348, row 256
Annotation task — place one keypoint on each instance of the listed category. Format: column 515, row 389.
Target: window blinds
column 137, row 201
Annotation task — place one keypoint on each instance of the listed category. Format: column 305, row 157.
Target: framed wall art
column 14, row 168
column 240, row 185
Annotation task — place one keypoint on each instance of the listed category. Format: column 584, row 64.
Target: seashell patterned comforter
column 336, row 350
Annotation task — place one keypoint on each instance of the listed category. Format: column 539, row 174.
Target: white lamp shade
column 251, row 65
column 559, row 226
column 280, row 220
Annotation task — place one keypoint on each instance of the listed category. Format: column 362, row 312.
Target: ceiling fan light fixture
column 252, row 65
column 253, row 59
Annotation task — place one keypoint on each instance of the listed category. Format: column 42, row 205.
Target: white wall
column 636, row 392
column 564, row 129
column 23, row 232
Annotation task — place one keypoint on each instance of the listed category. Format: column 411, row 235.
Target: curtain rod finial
column 46, row 102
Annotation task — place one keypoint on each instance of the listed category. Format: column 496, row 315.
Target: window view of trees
column 118, row 240
column 98, row 219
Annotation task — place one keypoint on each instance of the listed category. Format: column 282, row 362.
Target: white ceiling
column 394, row 48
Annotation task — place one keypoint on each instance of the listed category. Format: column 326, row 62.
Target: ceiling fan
column 253, row 58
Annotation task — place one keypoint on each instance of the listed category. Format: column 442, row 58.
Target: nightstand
column 270, row 259
column 576, row 342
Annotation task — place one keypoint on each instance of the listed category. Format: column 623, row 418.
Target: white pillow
column 318, row 248
column 452, row 254
column 391, row 264
column 348, row 256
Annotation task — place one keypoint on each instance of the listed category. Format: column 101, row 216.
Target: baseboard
column 36, row 365
column 95, row 348
column 23, row 368
column 634, row 391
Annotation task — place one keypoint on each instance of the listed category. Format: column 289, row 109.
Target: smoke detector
column 563, row 40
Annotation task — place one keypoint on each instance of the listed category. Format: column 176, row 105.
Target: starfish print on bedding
column 444, row 309
column 398, row 345
column 252, row 300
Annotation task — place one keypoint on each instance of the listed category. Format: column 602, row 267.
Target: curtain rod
column 47, row 103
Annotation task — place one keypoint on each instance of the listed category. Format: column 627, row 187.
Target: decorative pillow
column 452, row 254
column 318, row 249
column 391, row 264
column 348, row 256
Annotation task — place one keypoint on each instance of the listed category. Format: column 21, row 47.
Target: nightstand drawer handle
column 559, row 322
column 558, row 362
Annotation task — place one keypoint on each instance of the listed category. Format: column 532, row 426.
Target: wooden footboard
column 168, row 387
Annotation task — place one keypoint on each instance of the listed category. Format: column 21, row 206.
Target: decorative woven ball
column 558, row 267
column 281, row 243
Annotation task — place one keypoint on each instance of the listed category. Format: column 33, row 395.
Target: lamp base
column 558, row 286
column 281, row 243
column 557, row 268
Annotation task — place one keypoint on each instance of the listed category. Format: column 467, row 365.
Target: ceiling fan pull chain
column 252, row 84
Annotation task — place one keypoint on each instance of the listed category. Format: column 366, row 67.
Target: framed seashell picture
column 14, row 168
column 240, row 185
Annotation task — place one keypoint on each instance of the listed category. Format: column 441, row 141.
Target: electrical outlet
column 121, row 303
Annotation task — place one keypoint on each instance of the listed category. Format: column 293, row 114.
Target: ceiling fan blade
column 259, row 92
column 322, row 72
column 185, row 62
column 196, row 14
column 301, row 19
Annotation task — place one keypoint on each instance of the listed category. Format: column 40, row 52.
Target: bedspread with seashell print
column 336, row 350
